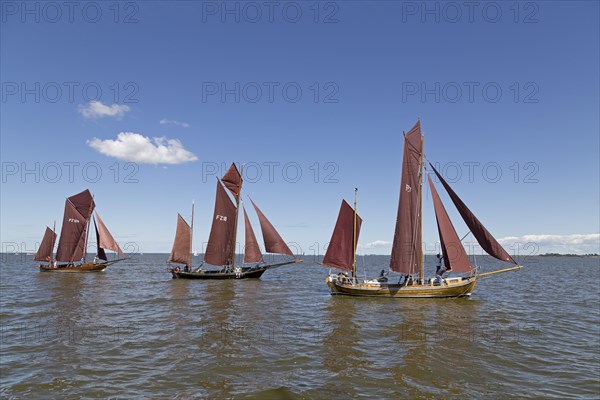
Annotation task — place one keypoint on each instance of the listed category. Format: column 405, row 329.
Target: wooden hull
column 244, row 273
column 454, row 287
column 86, row 267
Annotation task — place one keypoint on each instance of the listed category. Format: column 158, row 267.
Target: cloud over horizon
column 574, row 243
column 373, row 245
column 135, row 147
column 166, row 121
column 97, row 109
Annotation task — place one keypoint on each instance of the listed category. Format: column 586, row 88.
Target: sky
column 145, row 103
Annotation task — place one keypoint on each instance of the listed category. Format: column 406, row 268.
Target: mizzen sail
column 181, row 253
column 407, row 247
column 340, row 251
column 71, row 245
column 252, row 252
column 483, row 236
column 219, row 249
column 274, row 243
column 455, row 256
column 44, row 252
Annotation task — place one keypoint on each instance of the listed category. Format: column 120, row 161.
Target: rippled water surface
column 133, row 331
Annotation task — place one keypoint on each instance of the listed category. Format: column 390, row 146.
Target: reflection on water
column 132, row 329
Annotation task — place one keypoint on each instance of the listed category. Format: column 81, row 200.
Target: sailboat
column 71, row 254
column 220, row 251
column 407, row 255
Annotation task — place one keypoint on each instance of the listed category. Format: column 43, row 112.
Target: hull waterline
column 85, row 267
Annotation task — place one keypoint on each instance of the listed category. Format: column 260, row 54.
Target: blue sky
column 321, row 88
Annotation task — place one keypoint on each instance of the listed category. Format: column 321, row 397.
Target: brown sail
column 407, row 248
column 233, row 181
column 72, row 235
column 455, row 256
column 181, row 253
column 340, row 251
column 44, row 252
column 100, row 253
column 105, row 239
column 252, row 252
column 220, row 241
column 483, row 236
column 273, row 241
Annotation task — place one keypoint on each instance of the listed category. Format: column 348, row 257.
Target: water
column 132, row 331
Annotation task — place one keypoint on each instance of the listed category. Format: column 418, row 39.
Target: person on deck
column 439, row 270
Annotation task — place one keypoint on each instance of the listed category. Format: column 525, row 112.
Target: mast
column 191, row 236
column 87, row 225
column 421, row 275
column 52, row 252
column 237, row 212
column 354, row 238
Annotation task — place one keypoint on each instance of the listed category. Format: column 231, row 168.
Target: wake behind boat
column 407, row 254
column 72, row 247
column 220, row 251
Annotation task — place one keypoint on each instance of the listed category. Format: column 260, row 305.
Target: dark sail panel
column 72, row 235
column 44, row 252
column 252, row 252
column 220, row 241
column 233, row 181
column 483, row 236
column 181, row 253
column 407, row 247
column 100, row 253
column 340, row 252
column 274, row 243
column 455, row 256
column 105, row 239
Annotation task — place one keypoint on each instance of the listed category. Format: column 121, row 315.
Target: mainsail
column 78, row 208
column 219, row 250
column 233, row 181
column 274, row 243
column 181, row 253
column 455, row 256
column 406, row 247
column 252, row 252
column 483, row 236
column 104, row 239
column 44, row 252
column 340, row 251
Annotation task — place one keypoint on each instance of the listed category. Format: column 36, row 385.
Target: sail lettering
column 74, row 220
column 408, row 188
column 221, row 218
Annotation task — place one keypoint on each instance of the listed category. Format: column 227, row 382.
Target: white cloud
column 375, row 244
column 540, row 244
column 142, row 149
column 96, row 109
column 165, row 121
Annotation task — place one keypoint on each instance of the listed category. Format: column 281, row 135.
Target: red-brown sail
column 105, row 239
column 233, row 181
column 71, row 244
column 44, row 252
column 340, row 251
column 220, row 241
column 100, row 253
column 455, row 256
column 252, row 252
column 274, row 243
column 483, row 236
column 407, row 247
column 181, row 253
